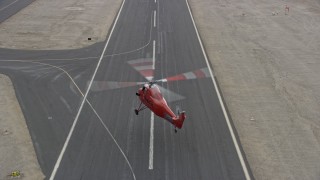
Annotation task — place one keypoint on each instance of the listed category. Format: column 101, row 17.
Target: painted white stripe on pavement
column 151, row 142
column 243, row 164
column 154, row 18
column 56, row 166
column 152, row 115
column 154, row 55
column 8, row 5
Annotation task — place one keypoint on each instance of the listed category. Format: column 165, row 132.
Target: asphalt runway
column 10, row 7
column 202, row 149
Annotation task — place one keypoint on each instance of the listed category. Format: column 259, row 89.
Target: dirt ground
column 268, row 67
column 59, row 24
column 16, row 149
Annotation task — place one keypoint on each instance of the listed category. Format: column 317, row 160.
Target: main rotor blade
column 170, row 96
column 144, row 66
column 197, row 74
column 108, row 85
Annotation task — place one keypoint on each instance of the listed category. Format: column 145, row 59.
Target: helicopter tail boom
column 178, row 121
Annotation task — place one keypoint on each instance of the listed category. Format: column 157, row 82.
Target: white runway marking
column 152, row 115
column 154, row 18
column 55, row 169
column 151, row 142
column 243, row 164
column 8, row 5
column 154, row 54
column 79, row 90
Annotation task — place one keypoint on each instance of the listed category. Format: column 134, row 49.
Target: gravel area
column 267, row 62
column 59, row 24
column 16, row 149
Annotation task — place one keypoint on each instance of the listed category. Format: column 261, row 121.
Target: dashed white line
column 154, row 18
column 151, row 141
column 235, row 142
column 154, row 55
column 56, row 166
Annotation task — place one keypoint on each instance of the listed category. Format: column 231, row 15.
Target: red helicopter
column 151, row 97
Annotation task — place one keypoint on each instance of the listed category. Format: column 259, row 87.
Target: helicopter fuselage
column 151, row 97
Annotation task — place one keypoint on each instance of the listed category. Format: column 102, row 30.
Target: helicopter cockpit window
column 155, row 92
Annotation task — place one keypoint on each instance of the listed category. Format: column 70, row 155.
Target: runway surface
column 202, row 149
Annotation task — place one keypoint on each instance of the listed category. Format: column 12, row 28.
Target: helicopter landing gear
column 140, row 108
column 175, row 130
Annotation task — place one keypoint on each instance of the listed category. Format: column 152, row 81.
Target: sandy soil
column 268, row 67
column 59, row 24
column 16, row 149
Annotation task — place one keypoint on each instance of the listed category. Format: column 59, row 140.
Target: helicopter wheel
column 175, row 130
column 136, row 111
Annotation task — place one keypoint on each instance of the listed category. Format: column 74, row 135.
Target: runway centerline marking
column 152, row 114
column 55, row 169
column 151, row 141
column 235, row 142
column 153, row 55
column 154, row 18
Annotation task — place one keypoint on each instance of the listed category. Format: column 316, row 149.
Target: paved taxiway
column 203, row 149
column 9, row 7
